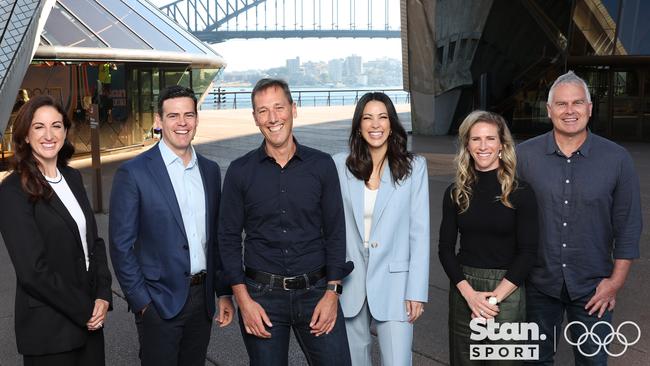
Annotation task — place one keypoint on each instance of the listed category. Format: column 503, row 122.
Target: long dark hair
column 359, row 161
column 24, row 162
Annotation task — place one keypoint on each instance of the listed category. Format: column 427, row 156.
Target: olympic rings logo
column 602, row 343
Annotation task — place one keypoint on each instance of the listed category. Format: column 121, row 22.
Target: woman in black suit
column 63, row 283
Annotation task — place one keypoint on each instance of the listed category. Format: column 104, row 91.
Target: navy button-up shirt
column 589, row 211
column 292, row 217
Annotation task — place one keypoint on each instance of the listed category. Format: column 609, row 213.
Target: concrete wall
column 419, row 59
column 459, row 25
column 432, row 69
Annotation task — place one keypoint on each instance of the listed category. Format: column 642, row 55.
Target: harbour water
column 237, row 98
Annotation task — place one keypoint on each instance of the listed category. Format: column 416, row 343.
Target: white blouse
column 62, row 190
column 369, row 198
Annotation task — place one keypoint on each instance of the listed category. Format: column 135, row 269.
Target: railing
column 222, row 99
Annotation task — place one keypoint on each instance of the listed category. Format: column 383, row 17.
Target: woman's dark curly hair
column 24, row 162
column 359, row 161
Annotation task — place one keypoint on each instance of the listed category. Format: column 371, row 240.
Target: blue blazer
column 148, row 244
column 398, row 263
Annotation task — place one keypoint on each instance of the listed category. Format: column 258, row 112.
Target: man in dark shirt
column 589, row 210
column 287, row 200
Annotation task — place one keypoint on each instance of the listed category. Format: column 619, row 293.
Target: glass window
column 597, row 79
column 625, row 107
column 176, row 77
column 626, row 83
column 167, row 26
column 452, row 50
column 103, row 24
column 439, row 52
column 646, row 107
column 202, row 80
column 63, row 29
column 141, row 26
column 634, row 28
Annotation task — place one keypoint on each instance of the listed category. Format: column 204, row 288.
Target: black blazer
column 55, row 294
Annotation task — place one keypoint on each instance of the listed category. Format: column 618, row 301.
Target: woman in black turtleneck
column 496, row 216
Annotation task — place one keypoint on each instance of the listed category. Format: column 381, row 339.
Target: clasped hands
column 98, row 317
column 480, row 306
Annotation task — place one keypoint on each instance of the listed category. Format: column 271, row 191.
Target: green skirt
column 512, row 309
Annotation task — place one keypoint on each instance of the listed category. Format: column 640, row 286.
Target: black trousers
column 182, row 340
column 91, row 354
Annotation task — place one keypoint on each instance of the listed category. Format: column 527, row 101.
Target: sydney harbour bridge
column 216, row 21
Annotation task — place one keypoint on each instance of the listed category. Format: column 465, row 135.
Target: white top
column 369, row 198
column 62, row 190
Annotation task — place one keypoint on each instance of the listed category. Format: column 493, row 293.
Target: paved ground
column 225, row 135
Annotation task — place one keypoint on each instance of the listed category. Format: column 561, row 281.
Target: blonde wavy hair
column 465, row 170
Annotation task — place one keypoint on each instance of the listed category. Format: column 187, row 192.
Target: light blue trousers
column 395, row 340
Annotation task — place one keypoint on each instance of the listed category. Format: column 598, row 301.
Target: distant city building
column 293, row 66
column 349, row 72
column 335, row 69
column 362, row 80
column 384, row 71
column 353, row 66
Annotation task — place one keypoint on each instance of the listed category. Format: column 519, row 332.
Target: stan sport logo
column 519, row 341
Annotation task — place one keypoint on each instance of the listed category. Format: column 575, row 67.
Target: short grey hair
column 568, row 78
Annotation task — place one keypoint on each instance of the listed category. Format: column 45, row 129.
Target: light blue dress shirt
column 190, row 195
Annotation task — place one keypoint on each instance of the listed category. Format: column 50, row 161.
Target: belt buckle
column 284, row 282
column 285, row 279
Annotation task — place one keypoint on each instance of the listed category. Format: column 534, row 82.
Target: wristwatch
column 338, row 288
column 493, row 300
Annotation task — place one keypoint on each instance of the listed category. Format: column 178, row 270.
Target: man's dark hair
column 266, row 83
column 175, row 91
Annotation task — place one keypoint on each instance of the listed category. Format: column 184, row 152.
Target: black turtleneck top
column 491, row 235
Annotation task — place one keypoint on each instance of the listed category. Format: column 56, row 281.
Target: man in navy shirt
column 286, row 198
column 589, row 211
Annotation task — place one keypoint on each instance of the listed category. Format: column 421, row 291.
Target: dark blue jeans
column 292, row 309
column 548, row 313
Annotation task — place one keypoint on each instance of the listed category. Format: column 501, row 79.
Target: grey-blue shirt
column 589, row 211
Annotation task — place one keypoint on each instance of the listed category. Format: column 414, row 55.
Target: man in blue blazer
column 163, row 239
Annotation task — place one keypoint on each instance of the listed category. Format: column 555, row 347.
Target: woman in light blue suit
column 386, row 201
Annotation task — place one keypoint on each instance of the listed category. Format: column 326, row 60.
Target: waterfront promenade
column 227, row 134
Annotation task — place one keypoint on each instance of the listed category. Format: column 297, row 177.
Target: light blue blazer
column 398, row 263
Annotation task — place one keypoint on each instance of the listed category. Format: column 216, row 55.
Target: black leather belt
column 198, row 278
column 298, row 282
